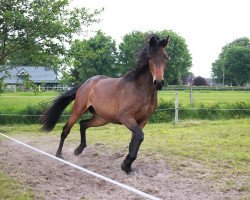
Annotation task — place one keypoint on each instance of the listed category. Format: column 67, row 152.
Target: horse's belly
column 104, row 100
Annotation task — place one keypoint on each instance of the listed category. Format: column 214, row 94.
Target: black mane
column 142, row 65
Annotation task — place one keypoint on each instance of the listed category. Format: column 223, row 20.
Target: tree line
column 101, row 55
column 233, row 64
column 42, row 32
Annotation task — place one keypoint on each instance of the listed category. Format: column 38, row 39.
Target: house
column 39, row 75
column 209, row 81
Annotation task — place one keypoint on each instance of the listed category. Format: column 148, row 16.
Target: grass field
column 207, row 97
column 222, row 146
column 15, row 102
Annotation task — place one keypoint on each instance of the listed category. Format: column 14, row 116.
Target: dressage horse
column 129, row 100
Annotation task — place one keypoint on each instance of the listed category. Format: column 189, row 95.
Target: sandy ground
column 50, row 179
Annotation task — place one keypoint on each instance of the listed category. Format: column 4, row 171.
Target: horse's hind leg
column 84, row 124
column 66, row 130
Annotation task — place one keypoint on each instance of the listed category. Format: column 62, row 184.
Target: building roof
column 36, row 74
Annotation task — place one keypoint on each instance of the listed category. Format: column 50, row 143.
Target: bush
column 1, row 86
column 164, row 113
column 239, row 110
column 31, row 114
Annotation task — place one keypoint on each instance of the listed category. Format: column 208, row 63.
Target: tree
column 199, row 81
column 233, row 63
column 29, row 84
column 36, row 32
column 237, row 65
column 180, row 59
column 91, row 57
column 128, row 50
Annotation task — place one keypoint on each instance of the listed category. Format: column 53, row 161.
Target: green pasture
column 206, row 97
column 15, row 102
column 221, row 146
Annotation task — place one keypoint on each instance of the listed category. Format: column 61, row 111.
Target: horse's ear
column 152, row 41
column 164, row 42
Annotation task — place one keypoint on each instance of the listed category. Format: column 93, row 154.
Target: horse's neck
column 145, row 83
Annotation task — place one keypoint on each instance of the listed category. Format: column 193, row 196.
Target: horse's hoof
column 78, row 150
column 59, row 155
column 132, row 173
column 126, row 168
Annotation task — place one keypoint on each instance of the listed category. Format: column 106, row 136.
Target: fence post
column 191, row 94
column 176, row 120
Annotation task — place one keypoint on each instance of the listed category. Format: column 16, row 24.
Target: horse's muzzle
column 158, row 84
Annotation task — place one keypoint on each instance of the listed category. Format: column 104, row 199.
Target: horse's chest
column 146, row 108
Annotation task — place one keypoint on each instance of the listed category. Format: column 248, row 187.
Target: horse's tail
column 51, row 115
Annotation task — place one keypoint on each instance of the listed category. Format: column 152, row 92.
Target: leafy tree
column 199, row 81
column 29, row 84
column 237, row 65
column 36, row 32
column 180, row 59
column 128, row 50
column 233, row 63
column 91, row 57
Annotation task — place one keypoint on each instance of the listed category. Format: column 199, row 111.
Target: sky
column 206, row 25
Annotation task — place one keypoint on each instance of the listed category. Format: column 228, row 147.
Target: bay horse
column 129, row 100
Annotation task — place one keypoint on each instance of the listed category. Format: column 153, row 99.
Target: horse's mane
column 142, row 64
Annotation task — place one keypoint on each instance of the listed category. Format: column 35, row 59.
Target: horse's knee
column 138, row 134
column 139, row 137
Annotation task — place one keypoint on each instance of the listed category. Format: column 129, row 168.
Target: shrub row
column 164, row 113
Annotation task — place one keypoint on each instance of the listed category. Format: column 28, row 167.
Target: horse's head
column 158, row 57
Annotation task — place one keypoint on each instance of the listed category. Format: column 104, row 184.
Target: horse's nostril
column 158, row 83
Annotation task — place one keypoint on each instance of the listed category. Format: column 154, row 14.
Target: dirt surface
column 50, row 179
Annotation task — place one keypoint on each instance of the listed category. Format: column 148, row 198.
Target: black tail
column 51, row 115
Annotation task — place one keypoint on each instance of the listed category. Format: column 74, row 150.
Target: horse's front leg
column 136, row 140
